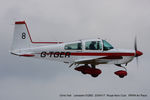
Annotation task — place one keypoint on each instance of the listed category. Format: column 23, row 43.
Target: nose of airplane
column 138, row 53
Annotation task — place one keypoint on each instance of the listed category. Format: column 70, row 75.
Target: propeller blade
column 135, row 44
column 137, row 62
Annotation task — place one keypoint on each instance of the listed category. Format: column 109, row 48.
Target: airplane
column 85, row 55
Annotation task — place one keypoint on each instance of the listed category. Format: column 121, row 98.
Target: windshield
column 107, row 46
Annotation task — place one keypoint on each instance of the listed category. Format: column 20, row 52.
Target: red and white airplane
column 86, row 53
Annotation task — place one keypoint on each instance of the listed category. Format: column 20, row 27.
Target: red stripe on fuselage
column 101, row 54
column 111, row 55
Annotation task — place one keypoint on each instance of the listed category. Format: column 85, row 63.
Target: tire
column 121, row 76
column 83, row 72
column 94, row 75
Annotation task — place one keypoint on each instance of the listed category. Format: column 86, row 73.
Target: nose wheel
column 121, row 73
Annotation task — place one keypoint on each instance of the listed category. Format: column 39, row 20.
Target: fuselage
column 70, row 52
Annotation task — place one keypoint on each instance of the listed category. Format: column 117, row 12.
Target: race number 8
column 23, row 35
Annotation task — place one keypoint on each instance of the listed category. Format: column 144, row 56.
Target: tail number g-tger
column 55, row 54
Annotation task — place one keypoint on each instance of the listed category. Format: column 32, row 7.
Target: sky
column 117, row 21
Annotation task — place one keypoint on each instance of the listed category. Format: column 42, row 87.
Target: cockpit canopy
column 89, row 45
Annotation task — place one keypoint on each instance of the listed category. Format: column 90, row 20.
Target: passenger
column 92, row 45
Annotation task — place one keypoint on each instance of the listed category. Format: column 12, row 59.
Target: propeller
column 135, row 47
column 137, row 53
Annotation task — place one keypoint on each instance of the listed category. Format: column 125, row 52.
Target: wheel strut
column 119, row 65
column 93, row 66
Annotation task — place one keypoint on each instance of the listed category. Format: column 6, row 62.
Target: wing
column 98, row 60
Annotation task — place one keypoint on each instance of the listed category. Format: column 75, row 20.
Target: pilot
column 92, row 45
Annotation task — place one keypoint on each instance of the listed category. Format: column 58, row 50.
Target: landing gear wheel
column 83, row 72
column 121, row 73
column 94, row 75
column 121, row 76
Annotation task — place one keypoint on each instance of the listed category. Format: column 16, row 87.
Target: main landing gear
column 85, row 69
column 121, row 73
column 94, row 72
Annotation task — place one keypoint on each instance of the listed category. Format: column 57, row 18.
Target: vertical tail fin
column 21, row 38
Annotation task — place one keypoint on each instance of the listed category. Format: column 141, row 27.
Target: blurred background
column 117, row 21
